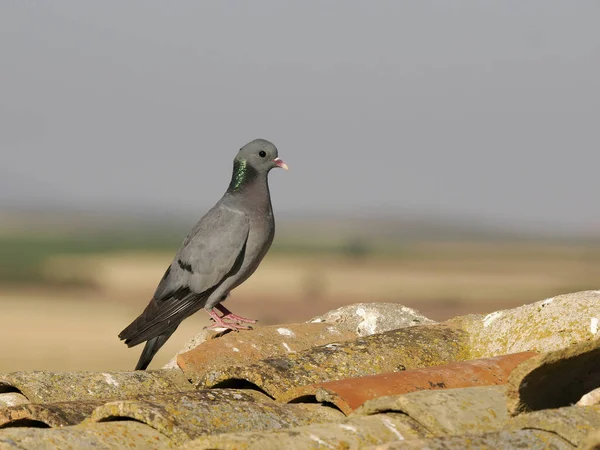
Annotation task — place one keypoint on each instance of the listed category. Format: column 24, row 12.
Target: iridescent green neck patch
column 243, row 174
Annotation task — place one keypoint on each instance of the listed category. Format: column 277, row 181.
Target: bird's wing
column 208, row 254
column 212, row 251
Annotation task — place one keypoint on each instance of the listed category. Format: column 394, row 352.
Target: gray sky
column 485, row 108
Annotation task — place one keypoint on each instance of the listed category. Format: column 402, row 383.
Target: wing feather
column 211, row 252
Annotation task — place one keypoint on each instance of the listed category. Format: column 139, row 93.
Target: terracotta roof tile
column 186, row 416
column 555, row 428
column 51, row 415
column 49, row 387
column 12, row 399
column 448, row 411
column 365, row 319
column 555, row 379
column 350, row 393
column 391, row 351
column 105, row 436
column 543, row 326
column 518, row 439
column 247, row 347
column 353, row 432
column 573, row 424
column 591, row 398
column 424, row 368
column 592, row 442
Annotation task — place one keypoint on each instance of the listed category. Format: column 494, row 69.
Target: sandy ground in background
column 76, row 329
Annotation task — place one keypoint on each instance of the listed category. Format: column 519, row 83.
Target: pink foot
column 219, row 323
column 228, row 315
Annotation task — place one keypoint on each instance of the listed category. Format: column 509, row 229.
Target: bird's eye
column 262, row 153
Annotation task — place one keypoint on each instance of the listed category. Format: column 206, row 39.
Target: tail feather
column 151, row 348
column 159, row 321
column 136, row 332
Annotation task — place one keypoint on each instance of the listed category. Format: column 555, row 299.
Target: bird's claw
column 228, row 315
column 228, row 326
column 220, row 323
column 238, row 319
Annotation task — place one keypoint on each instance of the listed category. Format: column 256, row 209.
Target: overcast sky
column 485, row 108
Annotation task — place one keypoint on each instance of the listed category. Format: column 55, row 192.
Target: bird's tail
column 151, row 348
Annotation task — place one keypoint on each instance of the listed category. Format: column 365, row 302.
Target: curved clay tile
column 49, row 415
column 398, row 350
column 449, row 411
column 573, row 423
column 247, row 347
column 517, row 439
column 350, row 393
column 97, row 436
column 351, row 433
column 51, row 387
column 186, row 416
column 543, row 326
column 555, row 379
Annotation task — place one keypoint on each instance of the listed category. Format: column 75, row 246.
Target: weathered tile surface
column 592, row 441
column 247, row 347
column 543, row 326
column 102, row 436
column 365, row 319
column 52, row 414
column 573, row 424
column 50, row 387
column 555, row 379
column 590, row 398
column 351, row 433
column 12, row 399
column 188, row 416
column 350, row 393
column 251, row 373
column 501, row 440
column 449, row 411
column 392, row 351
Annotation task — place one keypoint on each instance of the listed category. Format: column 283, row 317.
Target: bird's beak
column 279, row 163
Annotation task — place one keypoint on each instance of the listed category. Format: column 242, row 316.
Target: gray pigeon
column 220, row 253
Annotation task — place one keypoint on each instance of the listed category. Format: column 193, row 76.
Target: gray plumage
column 221, row 252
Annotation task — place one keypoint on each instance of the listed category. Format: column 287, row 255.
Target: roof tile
column 353, row 432
column 449, row 411
column 50, row 387
column 517, row 439
column 555, row 379
column 350, row 393
column 51, row 415
column 186, row 416
column 591, row 398
column 104, row 436
column 429, row 407
column 392, row 351
column 592, row 442
column 12, row 399
column 365, row 319
column 572, row 423
column 543, row 326
column 247, row 347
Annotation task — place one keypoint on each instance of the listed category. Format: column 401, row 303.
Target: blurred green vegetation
column 22, row 256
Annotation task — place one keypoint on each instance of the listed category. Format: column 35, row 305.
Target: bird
column 223, row 249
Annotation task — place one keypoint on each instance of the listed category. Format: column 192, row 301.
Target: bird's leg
column 219, row 323
column 228, row 315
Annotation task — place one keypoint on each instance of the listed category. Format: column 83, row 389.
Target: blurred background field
column 70, row 282
column 443, row 155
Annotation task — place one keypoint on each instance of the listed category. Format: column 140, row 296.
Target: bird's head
column 260, row 155
column 254, row 160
